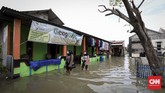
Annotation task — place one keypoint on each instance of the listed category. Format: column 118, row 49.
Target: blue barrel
column 101, row 58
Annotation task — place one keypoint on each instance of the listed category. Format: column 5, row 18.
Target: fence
column 143, row 71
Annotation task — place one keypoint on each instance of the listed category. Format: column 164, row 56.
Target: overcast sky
column 83, row 15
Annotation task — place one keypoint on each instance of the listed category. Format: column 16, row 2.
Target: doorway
column 29, row 49
column 53, row 50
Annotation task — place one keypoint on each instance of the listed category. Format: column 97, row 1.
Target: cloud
column 153, row 7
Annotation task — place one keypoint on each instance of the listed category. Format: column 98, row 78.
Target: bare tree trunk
column 152, row 57
column 153, row 60
column 140, row 30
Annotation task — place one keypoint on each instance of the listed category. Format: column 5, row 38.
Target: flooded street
column 116, row 75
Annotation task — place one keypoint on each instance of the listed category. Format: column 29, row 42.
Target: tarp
column 46, row 33
column 37, row 64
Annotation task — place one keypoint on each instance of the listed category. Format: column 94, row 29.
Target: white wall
column 4, row 45
column 1, row 38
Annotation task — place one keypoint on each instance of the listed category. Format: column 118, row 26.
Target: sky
column 83, row 15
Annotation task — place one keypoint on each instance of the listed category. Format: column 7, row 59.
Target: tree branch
column 135, row 9
column 121, row 15
column 141, row 4
column 105, row 9
column 109, row 14
column 137, row 14
column 132, row 31
column 129, row 10
column 115, row 12
column 133, row 4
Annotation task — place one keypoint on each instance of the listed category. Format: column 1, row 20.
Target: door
column 53, row 50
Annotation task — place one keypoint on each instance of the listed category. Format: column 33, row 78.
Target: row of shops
column 38, row 36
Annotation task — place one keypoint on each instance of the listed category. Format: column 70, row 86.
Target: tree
column 134, row 18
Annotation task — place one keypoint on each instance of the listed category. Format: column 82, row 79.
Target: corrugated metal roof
column 52, row 17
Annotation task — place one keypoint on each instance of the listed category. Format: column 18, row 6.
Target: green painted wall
column 70, row 47
column 89, row 50
column 24, row 37
column 94, row 51
column 25, row 70
column 78, row 50
column 39, row 51
column 61, row 50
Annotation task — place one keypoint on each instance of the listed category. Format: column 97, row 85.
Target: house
column 117, row 48
column 26, row 37
column 157, row 39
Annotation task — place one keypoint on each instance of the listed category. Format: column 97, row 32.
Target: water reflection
column 117, row 75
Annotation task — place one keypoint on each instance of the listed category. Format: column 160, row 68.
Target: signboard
column 46, row 33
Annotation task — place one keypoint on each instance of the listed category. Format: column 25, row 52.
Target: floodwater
column 116, row 75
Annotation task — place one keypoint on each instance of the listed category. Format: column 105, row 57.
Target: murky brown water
column 116, row 75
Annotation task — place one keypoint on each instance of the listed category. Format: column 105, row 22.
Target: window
column 29, row 49
column 158, row 45
column 53, row 50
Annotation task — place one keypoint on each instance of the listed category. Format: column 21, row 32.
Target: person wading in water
column 69, row 65
column 85, row 60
